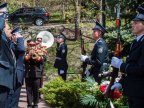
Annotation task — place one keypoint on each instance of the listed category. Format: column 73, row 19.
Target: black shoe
column 35, row 106
column 29, row 106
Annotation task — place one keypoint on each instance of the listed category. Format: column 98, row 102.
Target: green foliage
column 49, row 67
column 69, row 16
column 62, row 94
column 125, row 35
column 50, row 71
column 89, row 100
column 55, row 17
column 94, row 95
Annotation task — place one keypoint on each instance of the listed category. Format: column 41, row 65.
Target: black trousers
column 136, row 102
column 3, row 96
column 32, row 89
column 64, row 75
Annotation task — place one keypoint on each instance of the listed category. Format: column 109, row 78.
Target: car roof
column 31, row 7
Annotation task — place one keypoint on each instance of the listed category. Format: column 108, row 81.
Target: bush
column 59, row 93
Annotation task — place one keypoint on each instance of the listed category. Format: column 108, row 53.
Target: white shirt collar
column 97, row 40
column 138, row 37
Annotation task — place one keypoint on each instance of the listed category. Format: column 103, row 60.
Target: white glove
column 116, row 62
column 83, row 57
column 87, row 72
column 116, row 86
column 61, row 71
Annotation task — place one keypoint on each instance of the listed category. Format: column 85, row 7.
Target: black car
column 37, row 16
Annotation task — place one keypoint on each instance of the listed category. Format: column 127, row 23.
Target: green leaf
column 89, row 100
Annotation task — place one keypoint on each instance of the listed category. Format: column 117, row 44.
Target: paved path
column 23, row 101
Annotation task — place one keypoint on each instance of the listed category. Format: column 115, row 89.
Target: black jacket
column 133, row 81
column 7, row 63
column 99, row 55
column 61, row 56
column 19, row 51
column 33, row 69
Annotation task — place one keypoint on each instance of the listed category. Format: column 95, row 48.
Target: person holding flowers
column 133, row 69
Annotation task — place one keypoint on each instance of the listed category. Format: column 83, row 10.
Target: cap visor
column 100, row 30
column 138, row 19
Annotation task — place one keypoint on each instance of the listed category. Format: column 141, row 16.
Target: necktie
column 13, row 57
column 134, row 43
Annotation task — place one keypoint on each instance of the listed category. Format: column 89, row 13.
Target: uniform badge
column 100, row 50
column 63, row 51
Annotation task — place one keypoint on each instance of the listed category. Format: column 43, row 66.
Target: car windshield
column 41, row 10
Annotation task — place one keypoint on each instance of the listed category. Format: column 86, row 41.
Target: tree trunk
column 63, row 10
column 102, row 15
column 33, row 3
column 77, row 7
column 77, row 18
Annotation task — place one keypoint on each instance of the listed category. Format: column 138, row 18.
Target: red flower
column 116, row 94
column 103, row 88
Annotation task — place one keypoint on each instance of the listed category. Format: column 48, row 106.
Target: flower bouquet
column 95, row 96
column 116, row 93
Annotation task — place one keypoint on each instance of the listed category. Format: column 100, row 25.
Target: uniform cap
column 3, row 5
column 99, row 27
column 28, row 40
column 15, row 30
column 32, row 43
column 4, row 11
column 61, row 36
column 140, row 15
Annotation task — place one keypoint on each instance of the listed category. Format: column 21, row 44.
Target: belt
column 58, row 58
column 105, row 63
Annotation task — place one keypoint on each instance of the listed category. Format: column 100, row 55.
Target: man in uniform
column 99, row 54
column 19, row 51
column 7, row 59
column 33, row 70
column 133, row 69
column 61, row 57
